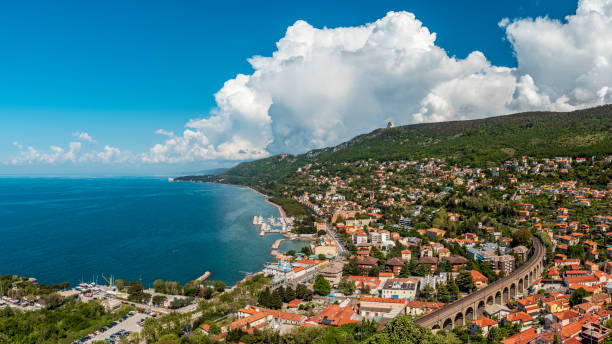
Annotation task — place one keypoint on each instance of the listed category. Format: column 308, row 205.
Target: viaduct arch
column 472, row 306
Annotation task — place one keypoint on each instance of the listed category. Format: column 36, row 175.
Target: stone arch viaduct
column 472, row 306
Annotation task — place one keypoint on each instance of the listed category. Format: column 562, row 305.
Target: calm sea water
column 58, row 229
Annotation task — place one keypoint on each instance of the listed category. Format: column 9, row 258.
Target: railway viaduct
column 472, row 306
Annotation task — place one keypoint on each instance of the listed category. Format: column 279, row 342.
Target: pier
column 203, row 277
column 276, row 244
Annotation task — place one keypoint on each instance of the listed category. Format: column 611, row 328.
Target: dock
column 276, row 244
column 203, row 277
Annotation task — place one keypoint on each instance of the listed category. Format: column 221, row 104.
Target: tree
column 521, row 236
column 159, row 286
column 159, row 300
column 52, row 300
column 576, row 251
column 578, row 296
column 303, row 293
column 207, row 292
column 180, row 302
column 276, row 300
column 422, row 270
column 365, row 289
column 465, row 282
column 350, row 268
column 376, row 253
column 264, row 297
column 402, row 330
column 374, row 271
column 289, row 294
column 306, row 250
column 428, row 292
column 346, row 287
column 452, row 287
column 191, row 288
column 442, row 293
column 322, row 286
column 281, row 292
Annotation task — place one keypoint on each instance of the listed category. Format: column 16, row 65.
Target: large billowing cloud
column 323, row 86
column 569, row 62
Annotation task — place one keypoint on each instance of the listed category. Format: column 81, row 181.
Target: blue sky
column 122, row 70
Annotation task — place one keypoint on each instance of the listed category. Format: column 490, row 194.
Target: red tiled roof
column 335, row 315
column 381, row 299
column 519, row 316
column 484, row 322
column 565, row 315
column 478, row 277
column 521, row 337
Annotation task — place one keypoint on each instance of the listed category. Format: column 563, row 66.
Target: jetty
column 276, row 244
column 203, row 277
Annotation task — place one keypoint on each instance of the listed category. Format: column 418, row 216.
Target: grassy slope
column 478, row 142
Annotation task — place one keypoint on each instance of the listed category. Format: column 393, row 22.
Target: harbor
column 282, row 224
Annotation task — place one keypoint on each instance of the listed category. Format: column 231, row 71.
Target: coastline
column 279, row 207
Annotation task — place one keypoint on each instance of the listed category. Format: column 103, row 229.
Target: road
column 338, row 241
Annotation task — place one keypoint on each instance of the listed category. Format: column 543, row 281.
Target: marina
column 281, row 224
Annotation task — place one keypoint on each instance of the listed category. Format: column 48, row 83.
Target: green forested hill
column 480, row 142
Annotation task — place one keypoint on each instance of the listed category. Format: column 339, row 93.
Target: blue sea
column 73, row 229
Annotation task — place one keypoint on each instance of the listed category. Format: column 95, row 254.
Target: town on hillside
column 396, row 240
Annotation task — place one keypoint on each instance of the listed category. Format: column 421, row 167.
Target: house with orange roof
column 589, row 289
column 295, row 303
column 572, row 330
column 277, row 316
column 335, row 315
column 257, row 320
column 361, row 281
column 587, row 280
column 422, row 307
column 426, row 251
column 553, row 272
column 374, row 307
column 205, row 328
column 523, row 337
column 556, row 305
column 566, row 317
column 528, row 304
column 591, row 266
column 480, row 280
column 484, row 324
column 587, row 307
column 435, row 233
column 518, row 317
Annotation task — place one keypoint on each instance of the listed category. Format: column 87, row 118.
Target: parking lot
column 121, row 327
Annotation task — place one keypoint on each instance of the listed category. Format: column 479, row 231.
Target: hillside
column 478, row 142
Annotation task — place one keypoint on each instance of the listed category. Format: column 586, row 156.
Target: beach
column 280, row 209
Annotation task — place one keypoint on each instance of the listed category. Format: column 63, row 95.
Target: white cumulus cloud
column 323, row 86
column 164, row 132
column 83, row 136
